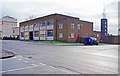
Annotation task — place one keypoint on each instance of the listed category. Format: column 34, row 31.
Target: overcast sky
column 88, row 10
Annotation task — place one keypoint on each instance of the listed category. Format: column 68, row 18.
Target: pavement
column 22, row 65
column 41, row 58
column 6, row 54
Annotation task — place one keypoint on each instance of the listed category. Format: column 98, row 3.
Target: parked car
column 90, row 41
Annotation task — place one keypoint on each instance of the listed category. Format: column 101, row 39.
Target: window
column 97, row 35
column 49, row 32
column 26, row 35
column 13, row 31
column 60, row 35
column 105, row 30
column 72, row 25
column 105, row 26
column 22, row 34
column 78, row 26
column 72, row 35
column 36, row 34
column 105, row 23
column 60, row 26
column 50, row 22
column 81, row 24
column 43, row 24
column 36, row 25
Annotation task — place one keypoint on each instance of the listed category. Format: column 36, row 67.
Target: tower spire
column 104, row 13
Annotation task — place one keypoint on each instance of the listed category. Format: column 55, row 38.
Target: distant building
column 56, row 27
column 0, row 34
column 119, row 18
column 6, row 25
column 15, row 31
column 119, row 31
column 104, row 25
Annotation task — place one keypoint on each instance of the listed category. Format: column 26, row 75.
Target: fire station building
column 56, row 27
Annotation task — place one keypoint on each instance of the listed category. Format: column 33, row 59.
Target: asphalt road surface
column 41, row 58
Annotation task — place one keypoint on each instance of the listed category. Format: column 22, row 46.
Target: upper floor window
column 105, row 26
column 78, row 25
column 72, row 25
column 105, row 23
column 50, row 22
column 43, row 24
column 60, row 26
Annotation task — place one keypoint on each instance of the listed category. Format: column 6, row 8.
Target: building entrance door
column 31, row 35
column 78, row 37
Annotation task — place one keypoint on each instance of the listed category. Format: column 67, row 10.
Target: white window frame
column 60, row 26
column 72, row 35
column 105, row 30
column 105, row 26
column 60, row 35
column 78, row 26
column 72, row 25
column 36, row 33
column 105, row 23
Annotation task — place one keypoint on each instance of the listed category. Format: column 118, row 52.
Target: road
column 40, row 58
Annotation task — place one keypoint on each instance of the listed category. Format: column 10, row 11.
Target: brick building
column 56, row 27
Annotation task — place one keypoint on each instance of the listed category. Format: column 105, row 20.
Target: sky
column 88, row 10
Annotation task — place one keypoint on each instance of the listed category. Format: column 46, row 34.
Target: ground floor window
column 26, row 35
column 22, row 34
column 49, row 32
column 60, row 35
column 36, row 34
column 72, row 35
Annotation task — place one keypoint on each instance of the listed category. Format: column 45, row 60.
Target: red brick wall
column 111, row 39
column 86, row 27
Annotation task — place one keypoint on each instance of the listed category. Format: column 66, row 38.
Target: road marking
column 33, row 64
column 42, row 64
column 52, row 67
column 26, row 61
column 66, row 72
column 20, row 59
column 19, row 69
column 26, row 58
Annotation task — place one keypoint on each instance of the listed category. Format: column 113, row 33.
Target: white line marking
column 42, row 64
column 66, row 71
column 33, row 64
column 19, row 59
column 26, row 58
column 19, row 69
column 26, row 61
column 52, row 67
